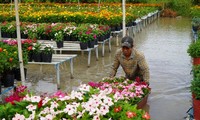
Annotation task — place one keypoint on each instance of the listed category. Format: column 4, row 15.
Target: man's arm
column 144, row 69
column 115, row 66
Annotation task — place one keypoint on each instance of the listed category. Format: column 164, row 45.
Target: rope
column 6, row 90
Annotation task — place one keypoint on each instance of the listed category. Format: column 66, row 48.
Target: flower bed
column 87, row 13
column 110, row 99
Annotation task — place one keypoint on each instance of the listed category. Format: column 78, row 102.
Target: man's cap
column 127, row 42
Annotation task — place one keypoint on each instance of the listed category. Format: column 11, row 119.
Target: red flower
column 10, row 59
column 146, row 116
column 137, row 79
column 117, row 109
column 130, row 114
column 1, row 49
column 40, row 104
column 30, row 48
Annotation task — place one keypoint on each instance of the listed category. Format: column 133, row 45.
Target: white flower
column 80, row 114
column 32, row 116
column 45, row 111
column 45, row 100
column 54, row 104
column 18, row 117
column 47, row 117
column 27, row 98
column 84, row 88
column 70, row 109
column 65, row 98
column 35, row 99
column 75, row 94
column 96, row 117
column 31, row 107
column 104, row 109
column 107, row 101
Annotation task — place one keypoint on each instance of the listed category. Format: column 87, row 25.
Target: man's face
column 126, row 51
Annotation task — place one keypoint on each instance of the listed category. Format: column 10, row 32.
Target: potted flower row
column 38, row 53
column 195, row 89
column 99, row 101
column 10, row 61
column 47, row 31
column 194, row 52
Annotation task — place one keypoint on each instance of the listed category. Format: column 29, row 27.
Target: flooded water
column 164, row 43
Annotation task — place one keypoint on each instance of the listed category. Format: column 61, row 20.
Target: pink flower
column 94, row 36
column 94, row 84
column 59, row 94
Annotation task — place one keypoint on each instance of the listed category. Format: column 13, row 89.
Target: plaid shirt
column 135, row 65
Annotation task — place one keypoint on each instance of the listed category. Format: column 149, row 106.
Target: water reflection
column 164, row 43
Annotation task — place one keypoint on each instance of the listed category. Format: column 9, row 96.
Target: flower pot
column 195, row 28
column 67, row 38
column 14, row 35
column 4, row 35
column 112, row 28
column 24, row 36
column 196, row 61
column 46, row 57
column 59, row 44
column 37, row 57
column 196, row 106
column 143, row 102
column 17, row 73
column 91, row 44
column 83, row 45
column 101, row 38
column 96, row 41
column 117, row 28
column 9, row 79
column 30, row 56
column 73, row 38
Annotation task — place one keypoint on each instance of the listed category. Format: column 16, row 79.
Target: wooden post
column 19, row 43
column 0, row 33
column 124, row 18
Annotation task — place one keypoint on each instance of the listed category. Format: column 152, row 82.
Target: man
column 132, row 61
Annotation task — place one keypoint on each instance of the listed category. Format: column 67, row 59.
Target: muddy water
column 164, row 43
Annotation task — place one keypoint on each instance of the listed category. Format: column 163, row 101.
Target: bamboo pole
column 0, row 33
column 19, row 43
column 99, row 6
column 124, row 18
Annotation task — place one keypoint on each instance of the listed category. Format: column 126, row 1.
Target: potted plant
column 27, row 46
column 58, row 38
column 194, row 51
column 47, row 53
column 195, row 89
column 86, row 35
column 9, row 61
column 195, row 24
column 37, row 52
column 68, row 30
column 11, row 30
column 32, row 31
